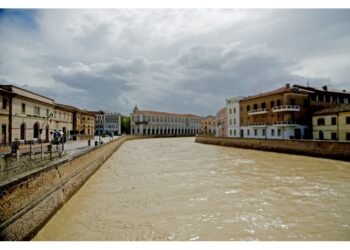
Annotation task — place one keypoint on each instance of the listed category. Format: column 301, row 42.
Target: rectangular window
column 334, row 135
column 334, row 121
column 230, row 121
column 320, row 121
column 272, row 132
column 234, row 110
column 248, row 107
column 348, row 120
column 348, row 136
column 230, row 111
column 255, row 106
column 230, row 131
column 36, row 110
column 272, row 104
column 263, row 132
column 23, row 108
column 234, row 121
column 47, row 112
column 278, row 132
column 4, row 103
column 292, row 101
column 234, row 132
column 263, row 105
column 248, row 132
column 255, row 132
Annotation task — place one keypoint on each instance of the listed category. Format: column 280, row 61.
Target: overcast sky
column 186, row 61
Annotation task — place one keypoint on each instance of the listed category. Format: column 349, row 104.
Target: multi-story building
column 233, row 117
column 108, row 123
column 63, row 120
column 29, row 115
column 278, row 114
column 208, row 125
column 332, row 124
column 5, row 101
column 221, row 126
column 145, row 122
column 285, row 113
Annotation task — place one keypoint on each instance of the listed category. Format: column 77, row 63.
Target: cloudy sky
column 175, row 60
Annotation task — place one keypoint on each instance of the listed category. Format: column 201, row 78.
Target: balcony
column 285, row 124
column 258, row 124
column 284, row 108
column 258, row 112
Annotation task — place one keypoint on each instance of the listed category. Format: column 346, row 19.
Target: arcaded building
column 146, row 122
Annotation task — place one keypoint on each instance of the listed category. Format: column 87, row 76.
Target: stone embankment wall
column 26, row 204
column 332, row 150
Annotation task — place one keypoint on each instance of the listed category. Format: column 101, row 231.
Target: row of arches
column 36, row 131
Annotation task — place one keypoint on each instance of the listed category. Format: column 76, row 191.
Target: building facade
column 278, row 114
column 5, row 102
column 29, row 115
column 208, row 125
column 63, row 121
column 145, row 122
column 233, row 117
column 332, row 124
column 221, row 126
column 108, row 123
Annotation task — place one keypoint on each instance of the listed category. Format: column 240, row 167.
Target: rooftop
column 338, row 109
column 150, row 112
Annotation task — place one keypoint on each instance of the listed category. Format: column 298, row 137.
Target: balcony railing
column 286, row 108
column 258, row 124
column 257, row 112
column 285, row 123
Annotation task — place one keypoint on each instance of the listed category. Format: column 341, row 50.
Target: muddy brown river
column 176, row 189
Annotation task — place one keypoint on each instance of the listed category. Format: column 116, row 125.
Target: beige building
column 332, row 124
column 208, row 125
column 144, row 122
column 5, row 101
column 63, row 120
column 29, row 115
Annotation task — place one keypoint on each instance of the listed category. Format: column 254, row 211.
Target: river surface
column 176, row 189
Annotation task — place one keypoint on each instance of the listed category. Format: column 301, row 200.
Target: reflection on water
column 176, row 189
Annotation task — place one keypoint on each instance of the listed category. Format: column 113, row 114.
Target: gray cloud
column 172, row 60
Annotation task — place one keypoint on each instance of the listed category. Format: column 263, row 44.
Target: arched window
column 36, row 130
column 23, row 131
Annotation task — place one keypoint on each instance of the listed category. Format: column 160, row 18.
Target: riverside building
column 144, row 122
column 108, row 123
column 233, row 117
column 208, row 125
column 221, row 123
column 332, row 124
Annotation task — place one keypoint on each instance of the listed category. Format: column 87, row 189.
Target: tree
column 125, row 124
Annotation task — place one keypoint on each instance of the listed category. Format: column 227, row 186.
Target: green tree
column 125, row 124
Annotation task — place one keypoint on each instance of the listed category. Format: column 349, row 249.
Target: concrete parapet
column 325, row 149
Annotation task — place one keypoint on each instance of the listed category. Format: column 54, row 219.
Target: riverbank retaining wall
column 27, row 203
column 325, row 149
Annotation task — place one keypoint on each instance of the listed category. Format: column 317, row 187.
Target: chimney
column 324, row 87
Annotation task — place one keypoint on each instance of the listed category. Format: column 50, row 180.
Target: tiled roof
column 149, row 112
column 338, row 109
column 276, row 91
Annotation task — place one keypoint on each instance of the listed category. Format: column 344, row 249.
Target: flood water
column 176, row 189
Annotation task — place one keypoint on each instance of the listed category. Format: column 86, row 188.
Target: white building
column 145, row 122
column 233, row 117
column 108, row 123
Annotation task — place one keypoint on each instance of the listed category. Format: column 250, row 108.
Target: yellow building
column 332, row 124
